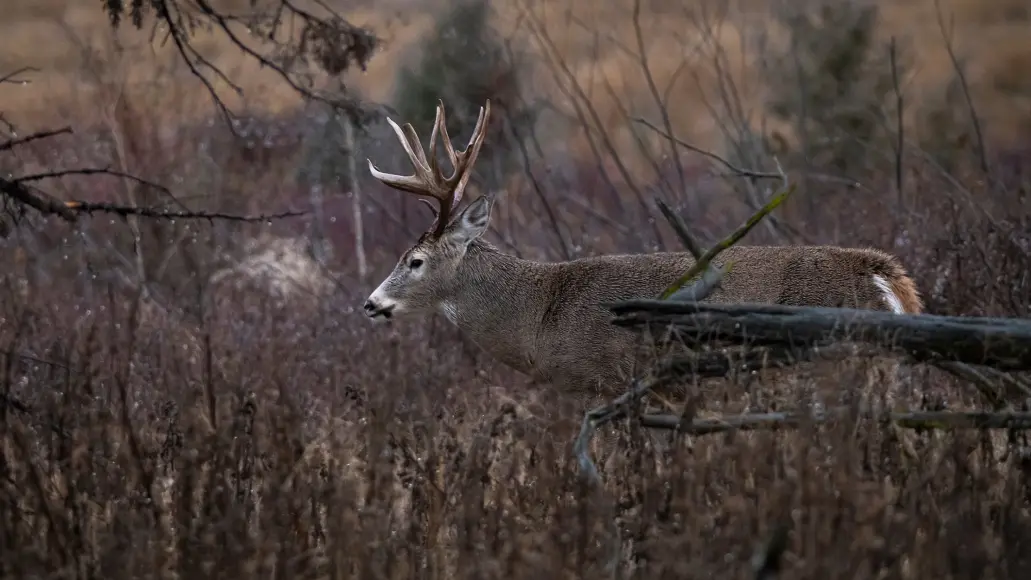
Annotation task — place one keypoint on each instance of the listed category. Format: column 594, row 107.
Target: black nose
column 374, row 311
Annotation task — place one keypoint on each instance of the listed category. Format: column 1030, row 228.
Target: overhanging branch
column 24, row 192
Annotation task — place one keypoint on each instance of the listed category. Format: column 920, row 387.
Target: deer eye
column 415, row 263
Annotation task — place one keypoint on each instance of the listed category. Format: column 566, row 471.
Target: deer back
column 576, row 343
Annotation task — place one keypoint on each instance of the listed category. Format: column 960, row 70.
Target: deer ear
column 473, row 221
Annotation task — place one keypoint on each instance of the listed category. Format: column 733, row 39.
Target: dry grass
column 310, row 446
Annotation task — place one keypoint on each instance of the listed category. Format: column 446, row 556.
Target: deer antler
column 428, row 180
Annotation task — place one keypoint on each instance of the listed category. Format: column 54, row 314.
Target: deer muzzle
column 376, row 310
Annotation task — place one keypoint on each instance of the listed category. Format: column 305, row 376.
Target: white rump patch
column 890, row 297
column 450, row 311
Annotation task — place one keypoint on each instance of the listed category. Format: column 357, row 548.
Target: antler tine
column 464, row 160
column 425, row 181
column 448, row 147
column 415, row 147
column 438, row 121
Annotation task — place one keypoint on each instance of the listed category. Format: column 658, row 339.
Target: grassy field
column 242, row 419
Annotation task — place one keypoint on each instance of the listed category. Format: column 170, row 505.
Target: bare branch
column 616, row 409
column 125, row 211
column 21, row 189
column 939, row 420
column 9, row 77
column 12, row 143
column 989, row 382
column 34, row 198
column 735, row 170
column 642, row 54
column 975, row 121
column 680, row 228
column 702, row 287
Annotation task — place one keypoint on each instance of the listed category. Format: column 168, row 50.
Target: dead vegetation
column 202, row 398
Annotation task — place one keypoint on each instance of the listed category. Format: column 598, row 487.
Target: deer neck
column 498, row 304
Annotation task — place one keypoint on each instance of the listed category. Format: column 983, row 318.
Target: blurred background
column 906, row 125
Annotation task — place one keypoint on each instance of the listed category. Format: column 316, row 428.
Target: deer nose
column 374, row 310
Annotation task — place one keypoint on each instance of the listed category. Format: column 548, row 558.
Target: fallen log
column 1000, row 343
column 928, row 420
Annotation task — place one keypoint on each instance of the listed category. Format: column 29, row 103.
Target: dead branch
column 22, row 190
column 957, row 66
column 616, row 409
column 16, row 141
column 734, row 169
column 1000, row 343
column 922, row 420
column 125, row 211
column 995, row 386
column 678, row 225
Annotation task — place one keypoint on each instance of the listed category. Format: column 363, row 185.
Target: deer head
column 426, row 272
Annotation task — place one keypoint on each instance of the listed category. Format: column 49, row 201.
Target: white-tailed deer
column 545, row 319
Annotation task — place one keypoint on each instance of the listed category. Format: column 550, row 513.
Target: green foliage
column 834, row 83
column 464, row 62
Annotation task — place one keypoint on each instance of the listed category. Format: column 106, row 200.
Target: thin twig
column 642, row 54
column 90, row 171
column 678, row 225
column 899, row 111
column 9, row 77
column 975, row 120
column 124, row 211
column 12, row 143
column 734, row 169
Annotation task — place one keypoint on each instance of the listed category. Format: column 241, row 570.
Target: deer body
column 546, row 319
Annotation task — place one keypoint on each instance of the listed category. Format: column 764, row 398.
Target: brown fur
column 545, row 319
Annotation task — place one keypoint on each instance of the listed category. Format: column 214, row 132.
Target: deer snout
column 375, row 309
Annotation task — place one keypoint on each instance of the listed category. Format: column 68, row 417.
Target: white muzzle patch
column 380, row 307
